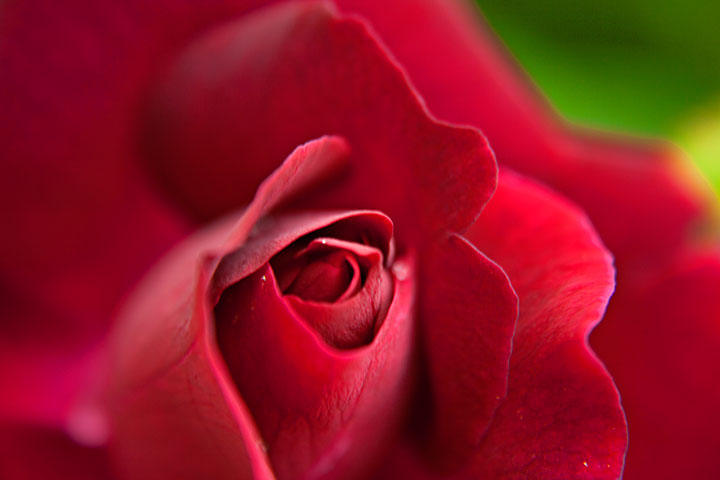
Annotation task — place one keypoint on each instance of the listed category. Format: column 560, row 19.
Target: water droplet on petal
column 261, row 445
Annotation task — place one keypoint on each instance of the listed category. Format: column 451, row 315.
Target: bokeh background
column 638, row 66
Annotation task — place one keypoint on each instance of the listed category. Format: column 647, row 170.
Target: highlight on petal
column 562, row 417
column 248, row 91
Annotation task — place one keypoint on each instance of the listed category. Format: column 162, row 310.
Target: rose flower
column 310, row 273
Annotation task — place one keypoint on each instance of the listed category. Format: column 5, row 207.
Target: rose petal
column 324, row 413
column 661, row 341
column 562, row 416
column 324, row 279
column 466, row 76
column 274, row 234
column 173, row 408
column 254, row 88
column 81, row 221
column 37, row 453
column 469, row 311
column 354, row 321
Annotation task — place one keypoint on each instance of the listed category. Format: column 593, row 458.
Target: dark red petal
column 561, row 417
column 661, row 341
column 469, row 311
column 323, row 413
column 324, row 279
column 249, row 91
column 354, row 321
column 306, row 166
column 30, row 452
column 274, row 234
column 173, row 408
column 466, row 76
column 81, row 222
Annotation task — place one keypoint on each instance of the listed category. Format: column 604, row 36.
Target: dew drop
column 585, row 463
column 263, row 278
column 261, row 445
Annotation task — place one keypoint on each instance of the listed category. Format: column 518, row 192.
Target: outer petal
column 562, row 417
column 46, row 454
column 254, row 88
column 662, row 341
column 469, row 311
column 466, row 76
column 81, row 222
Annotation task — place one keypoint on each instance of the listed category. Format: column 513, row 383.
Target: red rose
column 304, row 338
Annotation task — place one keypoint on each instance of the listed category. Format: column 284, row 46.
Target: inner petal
column 325, row 278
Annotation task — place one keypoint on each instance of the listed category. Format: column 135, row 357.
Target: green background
column 638, row 66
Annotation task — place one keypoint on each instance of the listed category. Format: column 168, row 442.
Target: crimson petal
column 661, row 341
column 562, row 417
column 252, row 89
column 472, row 80
column 335, row 412
column 174, row 409
column 469, row 311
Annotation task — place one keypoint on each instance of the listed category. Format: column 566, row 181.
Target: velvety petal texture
column 468, row 319
column 186, row 399
column 558, row 390
column 561, row 416
column 173, row 408
column 127, row 125
column 40, row 453
column 295, row 71
column 639, row 195
column 472, row 80
column 668, row 380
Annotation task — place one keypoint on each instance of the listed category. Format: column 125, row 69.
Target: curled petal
column 252, row 89
column 335, row 412
column 472, row 79
column 562, row 416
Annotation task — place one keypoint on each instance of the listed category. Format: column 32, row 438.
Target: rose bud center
column 323, row 311
column 323, row 276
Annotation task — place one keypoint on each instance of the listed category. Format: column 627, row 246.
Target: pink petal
column 247, row 92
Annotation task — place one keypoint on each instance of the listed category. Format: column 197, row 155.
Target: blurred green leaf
column 638, row 66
